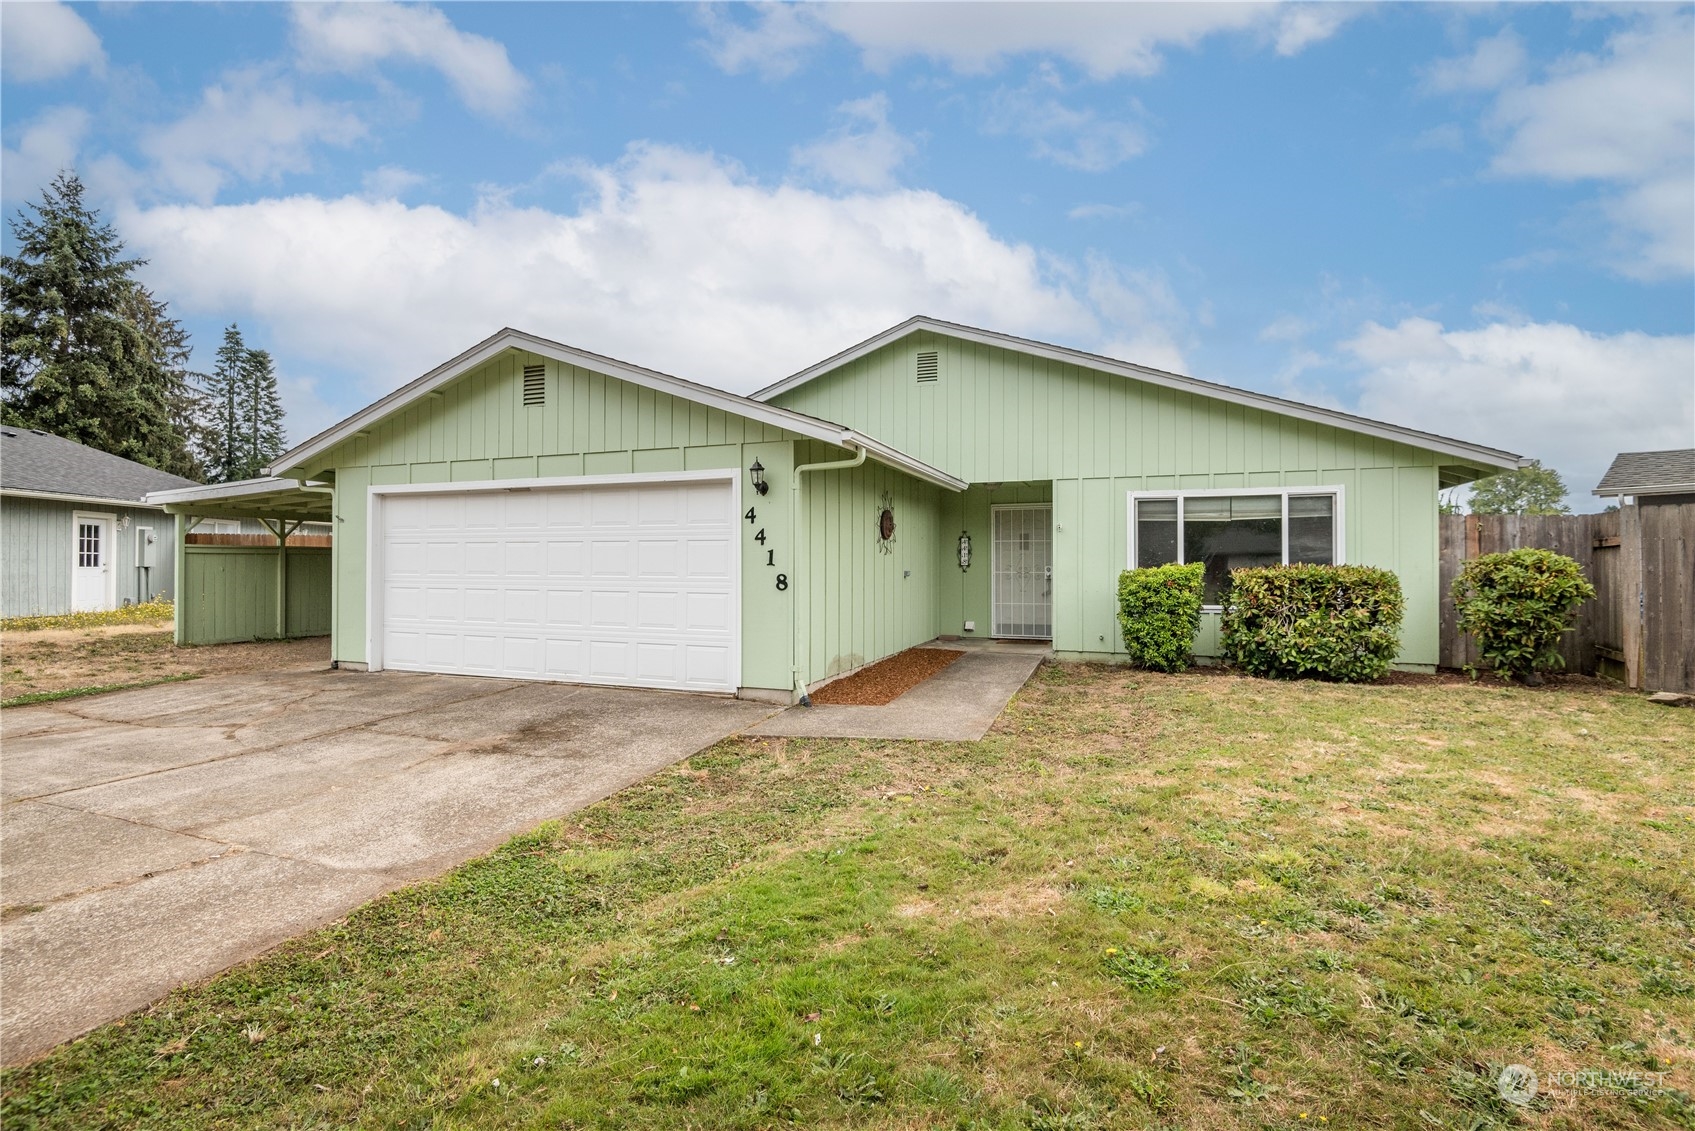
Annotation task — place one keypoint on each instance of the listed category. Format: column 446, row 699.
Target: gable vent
column 535, row 384
column 927, row 365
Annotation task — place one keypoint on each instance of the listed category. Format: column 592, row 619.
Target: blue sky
column 1478, row 220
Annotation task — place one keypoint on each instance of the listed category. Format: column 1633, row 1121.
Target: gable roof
column 1473, row 454
column 42, row 465
column 1670, row 472
column 508, row 338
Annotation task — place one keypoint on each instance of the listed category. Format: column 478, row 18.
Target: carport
column 234, row 587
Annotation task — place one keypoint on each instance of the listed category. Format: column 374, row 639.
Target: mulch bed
column 886, row 680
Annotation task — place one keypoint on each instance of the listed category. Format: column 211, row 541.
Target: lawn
column 1192, row 901
column 45, row 664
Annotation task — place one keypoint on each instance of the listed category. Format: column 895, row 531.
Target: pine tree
column 76, row 355
column 225, row 391
column 262, row 412
column 185, row 399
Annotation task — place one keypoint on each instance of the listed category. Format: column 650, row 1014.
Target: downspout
column 803, row 609
column 335, row 548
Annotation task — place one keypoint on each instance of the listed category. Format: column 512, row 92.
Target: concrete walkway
column 958, row 704
column 154, row 837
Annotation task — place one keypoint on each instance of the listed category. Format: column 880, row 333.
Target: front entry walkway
column 958, row 704
column 157, row 836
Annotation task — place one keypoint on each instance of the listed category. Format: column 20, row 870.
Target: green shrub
column 1313, row 621
column 1159, row 611
column 1517, row 605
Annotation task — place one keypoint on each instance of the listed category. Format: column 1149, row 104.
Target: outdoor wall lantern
column 757, row 474
column 964, row 551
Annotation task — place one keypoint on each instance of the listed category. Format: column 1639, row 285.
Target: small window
column 929, row 365
column 535, row 384
column 1234, row 532
column 88, row 544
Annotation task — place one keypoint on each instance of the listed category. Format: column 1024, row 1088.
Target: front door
column 1022, row 568
column 93, row 571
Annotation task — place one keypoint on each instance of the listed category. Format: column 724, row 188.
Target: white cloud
column 46, row 41
column 863, row 152
column 674, row 259
column 354, row 37
column 390, row 182
column 1548, row 390
column 1490, row 65
column 773, row 43
column 1624, row 117
column 1099, row 211
column 1106, row 40
column 1286, row 328
column 1075, row 138
column 47, row 145
column 251, row 125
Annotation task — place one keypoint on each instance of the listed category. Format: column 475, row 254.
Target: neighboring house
column 532, row 510
column 1651, row 478
column 75, row 534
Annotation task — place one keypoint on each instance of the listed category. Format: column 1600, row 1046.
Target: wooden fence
column 1639, row 629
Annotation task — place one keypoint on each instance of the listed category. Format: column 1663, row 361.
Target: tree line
column 89, row 353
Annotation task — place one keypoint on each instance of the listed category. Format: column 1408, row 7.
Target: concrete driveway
column 154, row 837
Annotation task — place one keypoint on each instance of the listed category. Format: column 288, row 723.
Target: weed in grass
column 1115, row 901
column 1144, row 973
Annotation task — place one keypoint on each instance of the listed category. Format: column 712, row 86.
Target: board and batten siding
column 230, row 593
column 995, row 415
column 865, row 600
column 478, row 429
column 37, row 540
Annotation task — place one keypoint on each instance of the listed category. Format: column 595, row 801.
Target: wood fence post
column 1631, row 596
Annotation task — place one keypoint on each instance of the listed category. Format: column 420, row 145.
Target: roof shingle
column 1650, row 473
column 37, row 461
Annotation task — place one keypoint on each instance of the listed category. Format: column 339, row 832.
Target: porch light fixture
column 964, row 551
column 757, row 474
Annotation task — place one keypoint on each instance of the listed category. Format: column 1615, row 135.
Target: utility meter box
column 145, row 541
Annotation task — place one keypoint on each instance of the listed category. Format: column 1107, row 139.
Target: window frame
column 1338, row 491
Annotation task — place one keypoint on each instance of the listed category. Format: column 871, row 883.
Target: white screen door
column 91, row 563
column 1023, row 571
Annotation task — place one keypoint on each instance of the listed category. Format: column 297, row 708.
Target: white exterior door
column 634, row 584
column 94, row 572
column 1022, row 571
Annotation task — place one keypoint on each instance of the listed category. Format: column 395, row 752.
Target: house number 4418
column 770, row 554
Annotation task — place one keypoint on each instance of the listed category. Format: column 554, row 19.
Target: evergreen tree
column 1529, row 490
column 262, row 412
column 225, row 389
column 76, row 355
column 185, row 399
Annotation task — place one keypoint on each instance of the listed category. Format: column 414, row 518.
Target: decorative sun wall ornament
column 886, row 523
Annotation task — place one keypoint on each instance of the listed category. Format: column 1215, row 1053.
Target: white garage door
column 631, row 584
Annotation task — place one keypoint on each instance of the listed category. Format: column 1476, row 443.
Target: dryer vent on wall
column 535, row 384
column 927, row 365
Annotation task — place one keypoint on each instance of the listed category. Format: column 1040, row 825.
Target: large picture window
column 1233, row 529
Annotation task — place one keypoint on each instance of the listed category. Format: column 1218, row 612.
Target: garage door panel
column 567, row 560
column 442, row 603
column 524, row 559
column 567, row 608
column 708, row 558
column 659, row 558
column 611, row 608
column 482, row 606
column 566, row 510
column 611, row 557
column 708, row 612
column 482, row 558
column 658, row 609
column 625, row 584
column 524, row 606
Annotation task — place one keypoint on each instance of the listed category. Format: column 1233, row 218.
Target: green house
column 535, row 511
